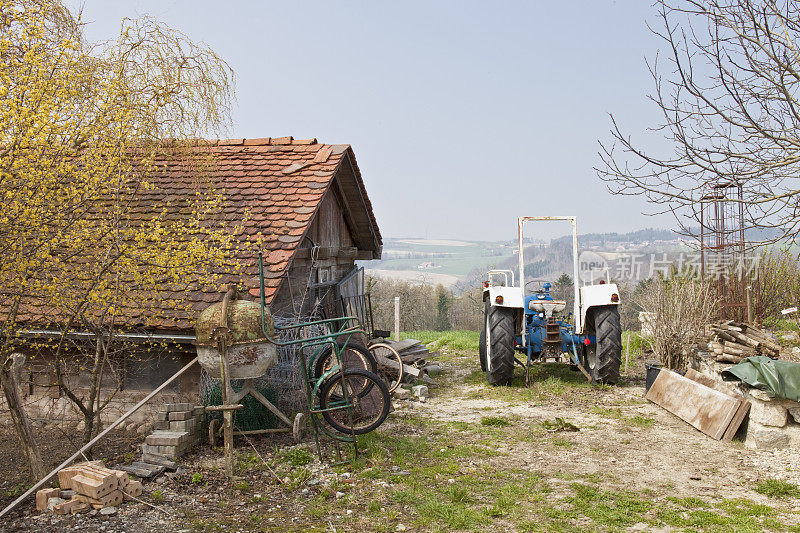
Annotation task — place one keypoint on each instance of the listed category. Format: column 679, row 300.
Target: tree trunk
column 10, row 384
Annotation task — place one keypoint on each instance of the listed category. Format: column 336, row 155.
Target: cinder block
column 160, row 460
column 173, row 452
column 180, row 415
column 182, row 425
column 161, row 425
column 167, row 438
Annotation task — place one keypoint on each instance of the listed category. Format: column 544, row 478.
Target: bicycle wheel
column 353, row 356
column 390, row 365
column 358, row 414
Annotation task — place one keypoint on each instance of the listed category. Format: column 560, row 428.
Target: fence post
column 397, row 318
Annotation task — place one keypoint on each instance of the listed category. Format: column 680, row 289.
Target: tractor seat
column 548, row 307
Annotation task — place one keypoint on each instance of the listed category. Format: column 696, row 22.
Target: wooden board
column 741, row 412
column 704, row 408
column 738, row 418
column 711, row 383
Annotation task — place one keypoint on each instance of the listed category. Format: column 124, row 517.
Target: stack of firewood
column 733, row 341
column 88, row 485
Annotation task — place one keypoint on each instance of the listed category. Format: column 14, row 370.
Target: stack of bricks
column 88, row 485
column 178, row 428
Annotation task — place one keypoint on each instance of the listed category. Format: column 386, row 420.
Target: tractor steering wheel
column 541, row 283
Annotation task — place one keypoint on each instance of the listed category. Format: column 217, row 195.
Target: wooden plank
column 711, row 383
column 704, row 408
column 406, row 344
column 738, row 418
column 741, row 412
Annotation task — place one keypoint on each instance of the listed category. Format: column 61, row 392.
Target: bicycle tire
column 353, row 356
column 390, row 376
column 361, row 413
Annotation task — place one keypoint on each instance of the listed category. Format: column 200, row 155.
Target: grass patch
column 459, row 340
column 777, row 488
column 495, row 421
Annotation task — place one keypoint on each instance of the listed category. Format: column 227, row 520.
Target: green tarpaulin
column 776, row 378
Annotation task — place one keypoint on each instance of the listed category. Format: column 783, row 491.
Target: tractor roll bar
column 574, row 221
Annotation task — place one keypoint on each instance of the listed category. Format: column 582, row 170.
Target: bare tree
column 682, row 307
column 728, row 97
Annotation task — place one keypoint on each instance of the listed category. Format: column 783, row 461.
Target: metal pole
column 576, row 305
column 520, row 224
column 92, row 442
column 397, row 318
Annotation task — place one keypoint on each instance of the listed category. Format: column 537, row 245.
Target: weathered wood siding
column 334, row 258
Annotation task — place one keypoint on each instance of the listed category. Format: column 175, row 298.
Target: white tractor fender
column 511, row 296
column 595, row 296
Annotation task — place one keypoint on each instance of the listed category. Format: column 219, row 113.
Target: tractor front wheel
column 603, row 359
column 499, row 343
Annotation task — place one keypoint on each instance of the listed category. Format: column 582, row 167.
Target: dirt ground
column 560, row 455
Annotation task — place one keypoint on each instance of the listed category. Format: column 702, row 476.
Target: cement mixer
column 249, row 353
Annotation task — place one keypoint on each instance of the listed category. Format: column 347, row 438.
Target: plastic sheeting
column 776, row 378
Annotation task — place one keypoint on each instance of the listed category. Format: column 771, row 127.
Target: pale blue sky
column 463, row 115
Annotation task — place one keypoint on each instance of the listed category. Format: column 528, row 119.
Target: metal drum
column 249, row 354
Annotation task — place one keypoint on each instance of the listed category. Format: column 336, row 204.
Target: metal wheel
column 353, row 356
column 358, row 414
column 213, row 427
column 390, row 365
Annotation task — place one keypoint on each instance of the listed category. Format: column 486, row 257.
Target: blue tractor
column 526, row 319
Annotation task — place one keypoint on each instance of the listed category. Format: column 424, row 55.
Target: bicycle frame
column 340, row 327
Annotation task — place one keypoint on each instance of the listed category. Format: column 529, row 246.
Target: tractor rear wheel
column 499, row 345
column 604, row 358
column 482, row 348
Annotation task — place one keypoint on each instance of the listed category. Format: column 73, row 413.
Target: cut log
column 704, row 408
column 725, row 336
column 744, row 339
column 728, row 358
column 738, row 351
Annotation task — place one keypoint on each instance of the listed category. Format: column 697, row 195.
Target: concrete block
column 167, row 438
column 420, row 391
column 182, row 425
column 180, row 415
column 159, row 460
column 173, row 452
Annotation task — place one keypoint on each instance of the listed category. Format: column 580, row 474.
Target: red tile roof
column 279, row 181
